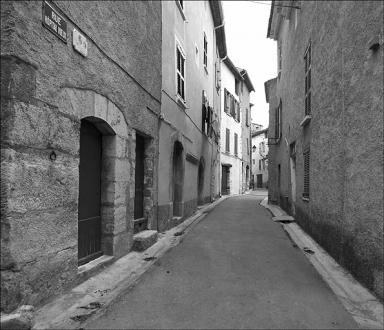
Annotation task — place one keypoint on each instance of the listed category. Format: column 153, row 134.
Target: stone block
column 18, row 78
column 101, row 107
column 144, row 240
column 35, row 235
column 22, row 318
column 36, row 183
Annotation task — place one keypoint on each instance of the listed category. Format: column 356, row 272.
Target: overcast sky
column 246, row 25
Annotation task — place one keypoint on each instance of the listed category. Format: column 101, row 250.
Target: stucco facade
column 326, row 168
column 188, row 150
column 231, row 156
column 260, row 158
column 49, row 92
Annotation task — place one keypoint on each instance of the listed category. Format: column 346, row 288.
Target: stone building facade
column 193, row 42
column 80, row 106
column 326, row 128
column 260, row 158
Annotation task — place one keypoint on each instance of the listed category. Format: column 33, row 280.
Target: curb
column 365, row 308
column 91, row 299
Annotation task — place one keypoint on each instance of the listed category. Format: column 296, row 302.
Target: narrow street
column 235, row 269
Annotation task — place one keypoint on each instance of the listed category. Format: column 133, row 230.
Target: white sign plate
column 80, row 43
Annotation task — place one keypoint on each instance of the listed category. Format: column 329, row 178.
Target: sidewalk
column 90, row 299
column 365, row 308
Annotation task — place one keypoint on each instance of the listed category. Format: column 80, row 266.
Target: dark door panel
column 89, row 234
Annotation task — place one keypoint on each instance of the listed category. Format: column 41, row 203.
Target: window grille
column 306, row 173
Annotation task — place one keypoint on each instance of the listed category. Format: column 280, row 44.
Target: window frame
column 308, row 79
column 205, row 53
column 179, row 49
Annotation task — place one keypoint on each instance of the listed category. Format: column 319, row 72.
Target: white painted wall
column 227, row 121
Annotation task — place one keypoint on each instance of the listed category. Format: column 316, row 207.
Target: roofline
column 266, row 88
column 265, row 130
column 232, row 68
column 218, row 22
column 247, row 80
column 270, row 19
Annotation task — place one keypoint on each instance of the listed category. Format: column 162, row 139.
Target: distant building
column 260, row 158
column 235, row 122
column 326, row 127
column 256, row 127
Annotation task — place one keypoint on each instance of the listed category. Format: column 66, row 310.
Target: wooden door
column 139, row 178
column 89, row 232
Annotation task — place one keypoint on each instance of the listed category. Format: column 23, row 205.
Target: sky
column 246, row 25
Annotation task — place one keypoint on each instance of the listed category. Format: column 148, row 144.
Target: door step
column 144, row 240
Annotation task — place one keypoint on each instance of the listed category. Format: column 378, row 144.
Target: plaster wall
column 46, row 89
column 183, row 121
column 227, row 121
column 345, row 210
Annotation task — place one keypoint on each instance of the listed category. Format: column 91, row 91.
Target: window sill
column 305, row 199
column 181, row 10
column 306, row 120
column 180, row 101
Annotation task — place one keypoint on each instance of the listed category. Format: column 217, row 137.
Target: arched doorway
column 200, row 182
column 178, row 179
column 89, row 212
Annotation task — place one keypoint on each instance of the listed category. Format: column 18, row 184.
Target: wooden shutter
column 227, row 140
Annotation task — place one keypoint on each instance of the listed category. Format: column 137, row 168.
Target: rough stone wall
column 46, row 89
column 345, row 134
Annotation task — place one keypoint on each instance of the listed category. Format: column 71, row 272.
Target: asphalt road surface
column 235, row 269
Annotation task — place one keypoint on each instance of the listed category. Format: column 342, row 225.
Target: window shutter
column 227, row 140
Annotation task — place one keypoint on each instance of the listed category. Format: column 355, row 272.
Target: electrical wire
column 268, row 4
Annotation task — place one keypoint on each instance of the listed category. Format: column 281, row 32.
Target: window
column 218, row 74
column 280, row 60
column 227, row 101
column 227, row 134
column 205, row 52
column 237, row 87
column 308, row 66
column 235, row 135
column 247, row 147
column 278, row 121
column 238, row 111
column 306, row 174
column 233, row 109
column 259, row 164
column 263, row 164
column 246, row 117
column 180, row 58
column 253, row 161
